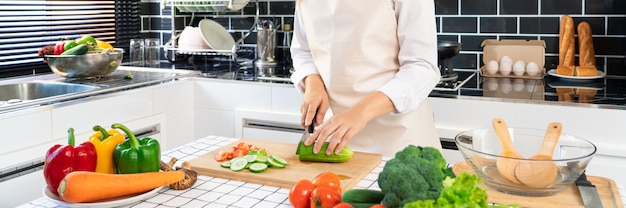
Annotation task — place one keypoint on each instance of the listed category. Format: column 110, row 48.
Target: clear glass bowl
column 481, row 149
column 88, row 65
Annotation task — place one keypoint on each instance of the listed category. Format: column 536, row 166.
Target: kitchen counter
column 113, row 82
column 606, row 92
column 218, row 192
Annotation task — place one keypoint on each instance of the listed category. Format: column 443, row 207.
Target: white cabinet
column 257, row 110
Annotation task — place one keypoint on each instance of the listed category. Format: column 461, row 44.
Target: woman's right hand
column 314, row 101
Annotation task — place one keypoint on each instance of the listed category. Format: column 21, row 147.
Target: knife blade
column 307, row 133
column 588, row 192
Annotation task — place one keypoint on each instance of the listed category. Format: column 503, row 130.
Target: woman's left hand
column 341, row 127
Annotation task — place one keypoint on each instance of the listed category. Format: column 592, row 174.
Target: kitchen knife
column 588, row 192
column 307, row 133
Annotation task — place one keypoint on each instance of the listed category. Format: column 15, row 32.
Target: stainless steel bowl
column 88, row 65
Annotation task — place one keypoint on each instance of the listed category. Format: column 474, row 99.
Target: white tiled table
column 217, row 192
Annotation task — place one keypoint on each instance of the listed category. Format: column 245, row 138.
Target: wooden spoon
column 540, row 174
column 506, row 166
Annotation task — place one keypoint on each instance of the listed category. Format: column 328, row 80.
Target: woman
column 374, row 63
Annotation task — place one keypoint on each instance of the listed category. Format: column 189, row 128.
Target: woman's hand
column 341, row 127
column 314, row 101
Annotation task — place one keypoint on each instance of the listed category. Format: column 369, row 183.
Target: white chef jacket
column 414, row 41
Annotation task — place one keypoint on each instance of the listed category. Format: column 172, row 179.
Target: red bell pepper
column 61, row 160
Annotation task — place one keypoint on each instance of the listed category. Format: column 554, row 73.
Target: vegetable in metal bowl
column 87, row 65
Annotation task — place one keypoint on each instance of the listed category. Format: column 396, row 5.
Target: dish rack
column 193, row 6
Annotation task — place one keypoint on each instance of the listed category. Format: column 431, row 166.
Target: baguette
column 587, row 56
column 566, row 47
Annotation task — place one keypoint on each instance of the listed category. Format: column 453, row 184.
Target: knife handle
column 311, row 127
column 582, row 181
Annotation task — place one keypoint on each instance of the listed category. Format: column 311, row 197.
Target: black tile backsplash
column 498, row 25
column 539, row 25
column 605, row 7
column 459, row 25
column 467, row 21
column 477, row 7
column 560, row 7
column 519, row 7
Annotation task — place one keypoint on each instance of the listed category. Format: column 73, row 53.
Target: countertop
column 218, row 192
column 606, row 92
column 113, row 82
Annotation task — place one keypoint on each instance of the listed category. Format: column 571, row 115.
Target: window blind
column 28, row 25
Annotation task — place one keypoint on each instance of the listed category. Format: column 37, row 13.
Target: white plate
column 215, row 35
column 239, row 4
column 552, row 72
column 121, row 201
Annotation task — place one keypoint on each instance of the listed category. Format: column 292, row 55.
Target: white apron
column 356, row 59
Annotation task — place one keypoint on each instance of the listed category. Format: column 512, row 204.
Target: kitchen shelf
column 194, row 6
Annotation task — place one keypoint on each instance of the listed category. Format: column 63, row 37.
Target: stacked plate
column 215, row 35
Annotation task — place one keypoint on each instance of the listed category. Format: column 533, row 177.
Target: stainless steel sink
column 18, row 92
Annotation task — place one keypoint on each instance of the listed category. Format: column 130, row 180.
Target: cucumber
column 250, row 158
column 257, row 167
column 258, row 152
column 274, row 163
column 362, row 196
column 279, row 160
column 261, row 159
column 306, row 154
column 361, row 205
column 80, row 49
column 238, row 164
column 225, row 164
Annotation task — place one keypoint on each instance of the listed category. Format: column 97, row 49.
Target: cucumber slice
column 238, row 164
column 225, row 164
column 279, row 160
column 261, row 159
column 258, row 152
column 250, row 158
column 257, row 167
column 274, row 163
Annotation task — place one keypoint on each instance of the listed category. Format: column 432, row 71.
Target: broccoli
column 415, row 173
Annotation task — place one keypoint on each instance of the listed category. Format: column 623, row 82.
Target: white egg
column 519, row 67
column 491, row 67
column 506, row 59
column 505, row 68
column 532, row 69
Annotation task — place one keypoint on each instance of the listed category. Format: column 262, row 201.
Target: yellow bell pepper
column 105, row 143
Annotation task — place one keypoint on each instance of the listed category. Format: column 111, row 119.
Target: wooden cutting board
column 570, row 197
column 350, row 172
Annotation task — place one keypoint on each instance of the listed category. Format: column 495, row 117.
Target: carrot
column 85, row 186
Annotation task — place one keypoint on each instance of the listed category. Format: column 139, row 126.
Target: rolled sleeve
column 419, row 72
column 301, row 54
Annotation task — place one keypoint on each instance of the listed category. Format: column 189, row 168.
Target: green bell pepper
column 136, row 155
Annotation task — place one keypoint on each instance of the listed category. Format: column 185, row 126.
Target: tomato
column 324, row 197
column 328, row 179
column 343, row 205
column 221, row 156
column 300, row 193
column 378, row 206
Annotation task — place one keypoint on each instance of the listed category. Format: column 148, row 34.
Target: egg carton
column 514, row 50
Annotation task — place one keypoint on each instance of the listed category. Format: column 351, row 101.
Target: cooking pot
column 447, row 49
